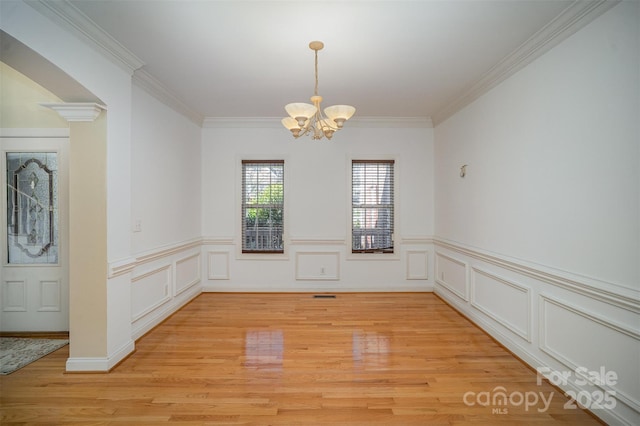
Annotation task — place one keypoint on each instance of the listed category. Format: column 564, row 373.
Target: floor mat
column 16, row 352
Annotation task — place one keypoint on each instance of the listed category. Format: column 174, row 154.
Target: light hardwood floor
column 365, row 358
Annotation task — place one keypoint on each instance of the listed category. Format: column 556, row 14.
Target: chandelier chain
column 316, row 89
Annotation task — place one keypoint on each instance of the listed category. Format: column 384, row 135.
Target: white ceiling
column 410, row 59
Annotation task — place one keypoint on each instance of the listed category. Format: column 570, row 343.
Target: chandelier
column 308, row 119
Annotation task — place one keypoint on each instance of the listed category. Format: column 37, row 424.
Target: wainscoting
column 581, row 333
column 317, row 265
column 162, row 281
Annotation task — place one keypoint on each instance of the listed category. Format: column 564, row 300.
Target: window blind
column 262, row 206
column 372, row 209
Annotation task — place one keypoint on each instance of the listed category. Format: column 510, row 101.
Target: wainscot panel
column 505, row 301
column 218, row 265
column 615, row 357
column 417, row 264
column 187, row 272
column 318, row 265
column 451, row 273
column 149, row 291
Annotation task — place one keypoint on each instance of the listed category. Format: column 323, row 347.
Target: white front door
column 34, row 239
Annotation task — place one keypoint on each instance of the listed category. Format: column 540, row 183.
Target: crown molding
column 272, row 122
column 396, row 122
column 568, row 22
column 71, row 18
column 155, row 88
column 241, row 122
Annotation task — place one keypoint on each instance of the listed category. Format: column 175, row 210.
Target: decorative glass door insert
column 32, row 207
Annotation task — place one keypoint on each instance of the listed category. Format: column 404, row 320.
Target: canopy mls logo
column 500, row 400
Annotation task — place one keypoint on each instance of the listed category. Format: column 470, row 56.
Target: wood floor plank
column 361, row 358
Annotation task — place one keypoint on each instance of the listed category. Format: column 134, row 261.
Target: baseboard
column 99, row 364
column 301, row 288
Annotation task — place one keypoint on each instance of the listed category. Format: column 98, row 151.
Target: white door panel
column 34, row 292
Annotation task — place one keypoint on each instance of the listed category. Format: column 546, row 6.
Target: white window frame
column 238, row 216
column 376, row 256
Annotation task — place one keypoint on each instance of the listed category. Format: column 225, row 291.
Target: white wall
column 165, row 189
column 317, row 209
column 553, row 159
column 540, row 242
column 165, row 178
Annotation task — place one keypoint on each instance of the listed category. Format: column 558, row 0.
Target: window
column 262, row 206
column 32, row 207
column 372, row 206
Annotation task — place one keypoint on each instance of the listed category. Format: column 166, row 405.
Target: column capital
column 76, row 111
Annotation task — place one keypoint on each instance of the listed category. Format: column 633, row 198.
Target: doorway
column 34, row 294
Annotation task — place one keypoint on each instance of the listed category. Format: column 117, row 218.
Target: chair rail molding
column 611, row 293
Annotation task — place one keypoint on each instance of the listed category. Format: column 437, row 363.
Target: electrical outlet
column 137, row 225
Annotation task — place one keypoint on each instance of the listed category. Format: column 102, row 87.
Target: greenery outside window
column 372, row 212
column 262, row 206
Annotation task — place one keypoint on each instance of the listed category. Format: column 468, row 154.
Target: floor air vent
column 324, row 296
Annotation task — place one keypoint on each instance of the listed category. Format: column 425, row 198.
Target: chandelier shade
column 339, row 113
column 300, row 112
column 307, row 118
